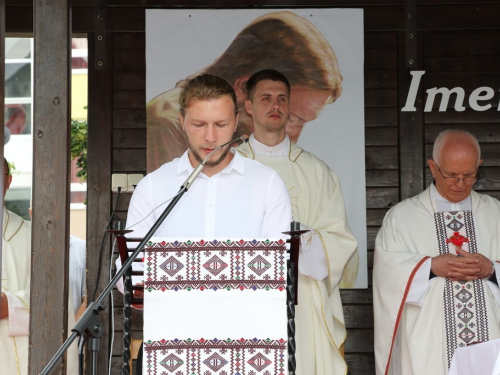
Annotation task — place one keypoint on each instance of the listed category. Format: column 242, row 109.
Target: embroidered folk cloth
column 465, row 314
column 215, row 307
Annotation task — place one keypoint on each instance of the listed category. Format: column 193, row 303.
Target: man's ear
column 237, row 122
column 240, row 88
column 432, row 165
column 248, row 107
column 182, row 123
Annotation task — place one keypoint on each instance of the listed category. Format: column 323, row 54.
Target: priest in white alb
column 318, row 204
column 435, row 270
column 15, row 304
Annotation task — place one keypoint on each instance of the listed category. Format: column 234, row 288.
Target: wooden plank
column 356, row 296
column 381, row 58
column 381, row 158
column 461, row 43
column 379, row 178
column 124, row 201
column 83, row 19
column 129, row 119
column 51, row 167
column 131, row 99
column 125, row 61
column 2, row 135
column 388, row 39
column 382, row 79
column 484, row 133
column 381, row 197
column 381, row 136
column 381, row 117
column 371, row 235
column 411, row 132
column 359, row 341
column 256, row 3
column 129, row 80
column 387, row 98
column 489, row 154
column 462, row 64
column 99, row 183
column 358, row 316
column 20, row 19
column 136, row 318
column 458, row 17
column 384, row 18
column 129, row 161
column 129, row 41
column 470, row 117
column 360, row 364
column 374, row 217
column 126, row 19
column 129, row 138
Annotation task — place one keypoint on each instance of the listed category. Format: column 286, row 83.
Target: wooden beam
column 411, row 131
column 2, row 111
column 100, row 119
column 51, row 168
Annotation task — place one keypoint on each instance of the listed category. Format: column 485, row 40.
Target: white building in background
column 19, row 125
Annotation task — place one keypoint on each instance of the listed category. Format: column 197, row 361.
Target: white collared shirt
column 244, row 200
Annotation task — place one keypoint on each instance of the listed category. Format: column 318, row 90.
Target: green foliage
column 12, row 168
column 79, row 147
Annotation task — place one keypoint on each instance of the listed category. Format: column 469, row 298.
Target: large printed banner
column 319, row 50
column 215, row 307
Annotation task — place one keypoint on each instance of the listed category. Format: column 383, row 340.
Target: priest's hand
column 456, row 268
column 483, row 263
column 5, row 307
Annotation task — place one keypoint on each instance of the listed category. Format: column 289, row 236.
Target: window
column 18, row 118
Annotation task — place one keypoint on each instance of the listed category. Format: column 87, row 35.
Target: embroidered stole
column 465, row 315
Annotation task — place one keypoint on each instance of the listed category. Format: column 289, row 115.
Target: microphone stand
column 89, row 324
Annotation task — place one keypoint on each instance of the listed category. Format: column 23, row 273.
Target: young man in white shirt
column 234, row 197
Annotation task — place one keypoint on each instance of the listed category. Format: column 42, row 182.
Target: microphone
column 189, row 181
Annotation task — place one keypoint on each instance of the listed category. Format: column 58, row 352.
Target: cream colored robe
column 317, row 202
column 409, row 337
column 16, row 278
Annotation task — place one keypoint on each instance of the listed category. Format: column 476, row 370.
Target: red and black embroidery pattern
column 221, row 357
column 215, row 265
column 465, row 315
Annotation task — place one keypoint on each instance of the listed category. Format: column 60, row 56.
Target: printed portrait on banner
column 320, row 51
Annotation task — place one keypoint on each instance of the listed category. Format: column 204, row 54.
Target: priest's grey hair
column 457, row 134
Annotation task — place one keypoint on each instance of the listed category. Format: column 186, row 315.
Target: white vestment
column 317, row 203
column 77, row 269
column 16, row 278
column 410, row 338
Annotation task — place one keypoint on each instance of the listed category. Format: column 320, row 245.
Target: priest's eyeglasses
column 456, row 180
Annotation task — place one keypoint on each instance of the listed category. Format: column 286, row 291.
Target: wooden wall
column 457, row 45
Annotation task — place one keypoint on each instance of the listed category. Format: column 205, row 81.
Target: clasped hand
column 464, row 267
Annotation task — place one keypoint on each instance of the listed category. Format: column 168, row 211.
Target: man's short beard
column 209, row 163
